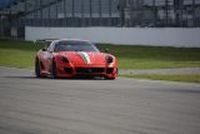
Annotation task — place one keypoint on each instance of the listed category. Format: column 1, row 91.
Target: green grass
column 21, row 54
column 182, row 78
column 17, row 53
column 143, row 57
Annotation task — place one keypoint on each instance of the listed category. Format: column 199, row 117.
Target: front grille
column 109, row 70
column 68, row 70
column 89, row 70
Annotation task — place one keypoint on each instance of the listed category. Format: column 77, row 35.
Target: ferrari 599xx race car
column 72, row 57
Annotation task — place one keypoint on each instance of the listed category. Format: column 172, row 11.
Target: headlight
column 64, row 59
column 109, row 59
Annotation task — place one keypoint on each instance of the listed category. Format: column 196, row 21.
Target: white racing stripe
column 85, row 57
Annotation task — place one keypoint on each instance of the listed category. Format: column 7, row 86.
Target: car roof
column 70, row 39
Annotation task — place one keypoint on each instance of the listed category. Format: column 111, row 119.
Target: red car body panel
column 75, row 64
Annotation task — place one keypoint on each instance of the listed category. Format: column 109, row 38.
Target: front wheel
column 53, row 70
column 110, row 78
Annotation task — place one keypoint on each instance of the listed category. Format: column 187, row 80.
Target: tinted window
column 75, row 46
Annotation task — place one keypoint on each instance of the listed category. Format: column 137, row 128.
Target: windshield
column 75, row 46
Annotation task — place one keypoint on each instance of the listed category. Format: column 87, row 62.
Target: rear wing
column 43, row 43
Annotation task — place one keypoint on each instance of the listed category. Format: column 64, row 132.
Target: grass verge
column 17, row 53
column 182, row 78
column 21, row 54
column 145, row 57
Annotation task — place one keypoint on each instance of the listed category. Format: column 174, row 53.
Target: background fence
column 107, row 13
column 128, row 13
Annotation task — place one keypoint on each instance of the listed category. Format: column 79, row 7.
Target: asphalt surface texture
column 168, row 71
column 29, row 105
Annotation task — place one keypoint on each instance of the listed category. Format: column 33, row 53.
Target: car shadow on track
column 21, row 77
column 48, row 78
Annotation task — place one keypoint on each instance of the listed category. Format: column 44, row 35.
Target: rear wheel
column 37, row 68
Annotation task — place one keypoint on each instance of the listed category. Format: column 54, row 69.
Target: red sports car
column 71, row 58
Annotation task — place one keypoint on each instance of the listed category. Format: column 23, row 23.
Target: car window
column 75, row 46
column 51, row 47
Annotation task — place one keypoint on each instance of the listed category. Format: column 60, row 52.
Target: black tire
column 37, row 68
column 107, row 78
column 53, row 70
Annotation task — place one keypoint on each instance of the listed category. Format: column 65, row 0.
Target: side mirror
column 107, row 50
column 43, row 49
column 111, row 51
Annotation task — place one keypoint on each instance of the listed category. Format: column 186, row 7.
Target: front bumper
column 70, row 70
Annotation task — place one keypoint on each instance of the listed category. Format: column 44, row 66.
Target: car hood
column 85, row 58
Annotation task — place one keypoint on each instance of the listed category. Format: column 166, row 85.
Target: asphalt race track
column 124, row 106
